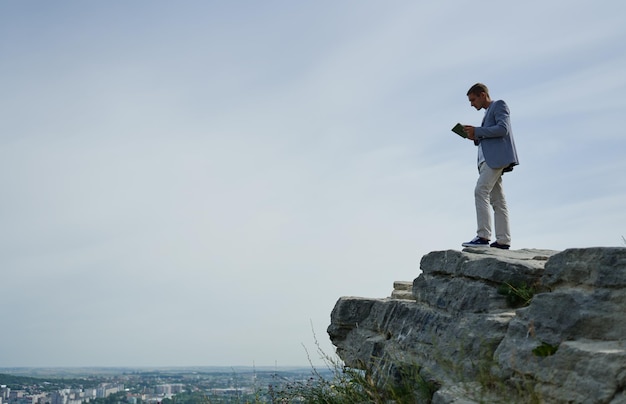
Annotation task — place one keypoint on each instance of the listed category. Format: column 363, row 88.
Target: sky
column 197, row 183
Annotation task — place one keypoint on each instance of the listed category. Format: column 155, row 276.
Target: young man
column 496, row 155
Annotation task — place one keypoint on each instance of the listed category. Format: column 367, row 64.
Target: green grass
column 518, row 295
column 380, row 382
column 545, row 349
column 349, row 385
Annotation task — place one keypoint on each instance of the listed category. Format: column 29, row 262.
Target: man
column 496, row 155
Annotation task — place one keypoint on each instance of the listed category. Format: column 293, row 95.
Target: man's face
column 478, row 101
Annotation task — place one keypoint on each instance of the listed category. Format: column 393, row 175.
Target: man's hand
column 470, row 132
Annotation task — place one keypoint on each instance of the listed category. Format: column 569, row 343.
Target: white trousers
column 489, row 193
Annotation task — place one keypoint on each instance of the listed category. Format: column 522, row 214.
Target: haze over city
column 197, row 182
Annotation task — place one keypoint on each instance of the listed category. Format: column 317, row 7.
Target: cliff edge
column 541, row 323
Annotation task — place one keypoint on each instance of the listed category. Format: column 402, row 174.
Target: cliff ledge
column 458, row 320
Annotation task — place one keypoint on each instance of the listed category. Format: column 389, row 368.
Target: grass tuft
column 398, row 384
column 518, row 295
column 545, row 349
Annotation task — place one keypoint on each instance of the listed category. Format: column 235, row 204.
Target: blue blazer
column 496, row 137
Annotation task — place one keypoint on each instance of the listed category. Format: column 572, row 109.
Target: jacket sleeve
column 499, row 126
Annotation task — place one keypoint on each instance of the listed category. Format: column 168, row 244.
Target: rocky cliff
column 540, row 325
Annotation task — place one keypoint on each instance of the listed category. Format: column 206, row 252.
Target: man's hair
column 478, row 88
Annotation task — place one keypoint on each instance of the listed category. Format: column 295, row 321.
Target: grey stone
column 459, row 326
column 587, row 267
column 402, row 290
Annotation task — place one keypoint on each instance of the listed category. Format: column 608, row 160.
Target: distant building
column 57, row 397
column 89, row 393
column 163, row 390
column 104, row 390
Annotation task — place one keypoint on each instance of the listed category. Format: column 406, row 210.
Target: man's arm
column 503, row 123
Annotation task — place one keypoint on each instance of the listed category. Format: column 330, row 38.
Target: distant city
column 149, row 385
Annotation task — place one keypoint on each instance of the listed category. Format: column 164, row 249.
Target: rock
column 402, row 290
column 584, row 317
column 567, row 345
column 587, row 267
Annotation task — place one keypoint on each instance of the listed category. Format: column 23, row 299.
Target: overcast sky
column 198, row 182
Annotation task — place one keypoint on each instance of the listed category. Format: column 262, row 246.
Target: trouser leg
column 501, row 213
column 487, row 179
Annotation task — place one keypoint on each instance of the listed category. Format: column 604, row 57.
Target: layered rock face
column 567, row 345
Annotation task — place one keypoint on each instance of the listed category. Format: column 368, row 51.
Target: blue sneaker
column 477, row 242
